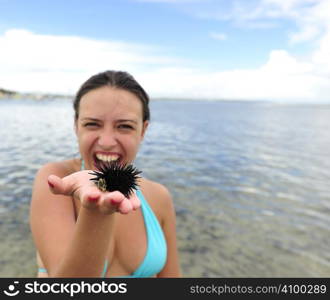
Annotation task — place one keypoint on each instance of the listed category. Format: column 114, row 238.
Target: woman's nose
column 107, row 139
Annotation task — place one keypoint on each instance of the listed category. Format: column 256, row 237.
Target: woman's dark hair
column 117, row 79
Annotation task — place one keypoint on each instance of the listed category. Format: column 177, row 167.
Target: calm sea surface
column 250, row 182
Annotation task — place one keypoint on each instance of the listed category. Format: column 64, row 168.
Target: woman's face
column 110, row 126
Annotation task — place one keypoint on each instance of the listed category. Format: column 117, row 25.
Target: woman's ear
column 75, row 127
column 144, row 128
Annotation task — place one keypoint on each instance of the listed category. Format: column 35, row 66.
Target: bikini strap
column 82, row 165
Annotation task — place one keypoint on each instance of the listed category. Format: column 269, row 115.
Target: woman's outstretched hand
column 80, row 186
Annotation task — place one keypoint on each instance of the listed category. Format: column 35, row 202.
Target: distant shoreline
column 9, row 94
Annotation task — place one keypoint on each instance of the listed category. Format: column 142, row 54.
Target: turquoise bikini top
column 155, row 257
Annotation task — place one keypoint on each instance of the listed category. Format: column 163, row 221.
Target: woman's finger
column 125, row 206
column 136, row 203
column 110, row 201
column 68, row 185
column 91, row 199
column 115, row 198
column 65, row 186
column 56, row 184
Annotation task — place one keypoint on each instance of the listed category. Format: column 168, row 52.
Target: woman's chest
column 130, row 243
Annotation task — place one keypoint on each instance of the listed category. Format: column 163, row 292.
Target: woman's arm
column 69, row 247
column 172, row 266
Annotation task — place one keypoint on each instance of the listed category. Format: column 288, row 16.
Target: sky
column 276, row 50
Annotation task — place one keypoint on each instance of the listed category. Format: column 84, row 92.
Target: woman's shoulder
column 157, row 195
column 60, row 168
column 155, row 189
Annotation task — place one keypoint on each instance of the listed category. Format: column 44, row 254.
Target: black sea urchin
column 112, row 176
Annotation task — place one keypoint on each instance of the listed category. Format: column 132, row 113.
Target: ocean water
column 249, row 180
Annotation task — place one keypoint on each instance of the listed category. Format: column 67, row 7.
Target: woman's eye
column 126, row 126
column 90, row 124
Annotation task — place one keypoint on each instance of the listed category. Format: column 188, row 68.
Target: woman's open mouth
column 106, row 157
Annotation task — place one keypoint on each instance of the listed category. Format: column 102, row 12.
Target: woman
column 80, row 231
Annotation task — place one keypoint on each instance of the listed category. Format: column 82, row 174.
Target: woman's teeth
column 107, row 157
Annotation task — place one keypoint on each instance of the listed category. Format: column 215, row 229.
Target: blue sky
column 256, row 49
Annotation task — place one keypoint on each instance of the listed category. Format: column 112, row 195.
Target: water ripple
column 250, row 181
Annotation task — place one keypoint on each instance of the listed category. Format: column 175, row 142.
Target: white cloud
column 307, row 33
column 59, row 64
column 313, row 22
column 218, row 36
column 321, row 56
column 281, row 78
column 170, row 1
column 46, row 63
column 312, row 17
